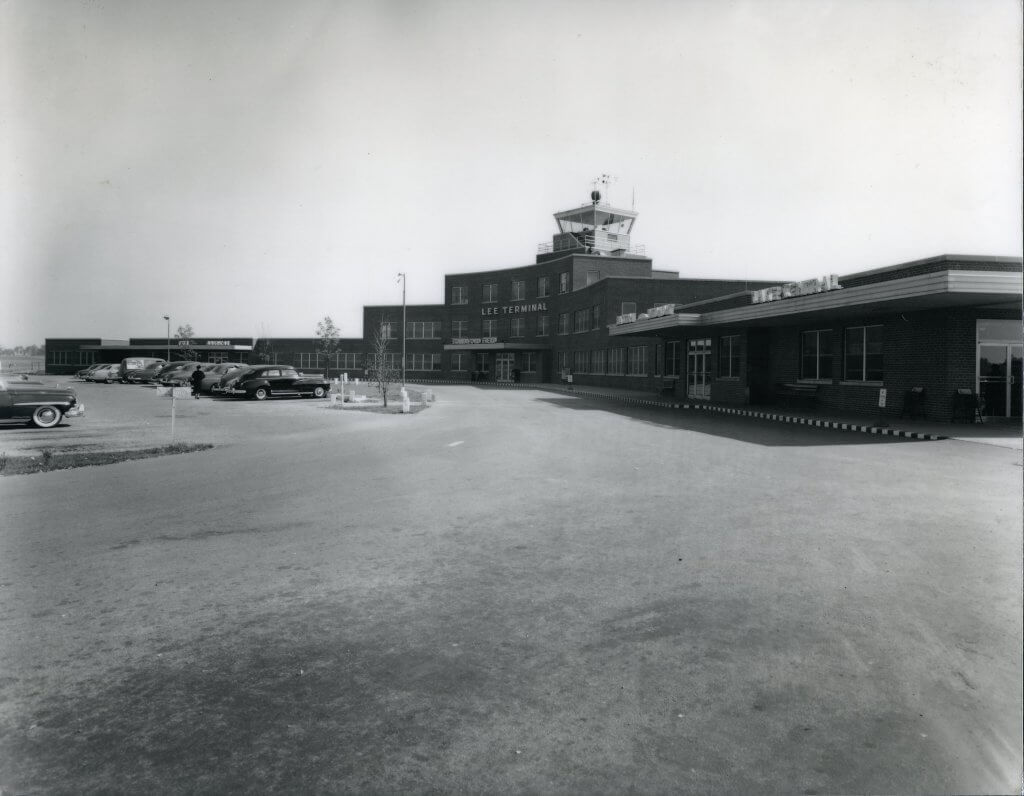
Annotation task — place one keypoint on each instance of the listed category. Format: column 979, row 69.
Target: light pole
column 402, row 277
column 168, row 319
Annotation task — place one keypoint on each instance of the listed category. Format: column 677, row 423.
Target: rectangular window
column 460, row 361
column 460, row 328
column 657, row 360
column 543, row 325
column 581, row 321
column 543, row 286
column 529, row 362
column 423, row 330
column 816, row 354
column 592, row 276
column 517, row 327
column 616, row 361
column 580, row 362
column 518, row 290
column 390, row 330
column 58, row 357
column 597, row 358
column 349, row 361
column 563, row 282
column 490, row 327
column 729, row 356
column 637, row 360
column 628, row 308
column 863, row 353
column 490, row 294
column 423, row 362
column 672, row 359
column 562, row 362
column 595, row 317
column 563, row 323
column 460, row 295
column 309, row 361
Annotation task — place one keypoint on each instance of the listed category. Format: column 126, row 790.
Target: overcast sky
column 252, row 166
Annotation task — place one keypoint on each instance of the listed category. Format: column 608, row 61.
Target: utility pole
column 168, row 319
column 402, row 277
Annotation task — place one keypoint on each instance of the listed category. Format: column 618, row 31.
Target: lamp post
column 402, row 277
column 168, row 319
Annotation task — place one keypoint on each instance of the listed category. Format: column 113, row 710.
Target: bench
column 796, row 394
column 667, row 388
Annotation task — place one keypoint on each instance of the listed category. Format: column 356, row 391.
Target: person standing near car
column 197, row 381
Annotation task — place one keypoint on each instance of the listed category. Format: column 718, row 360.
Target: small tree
column 380, row 368
column 328, row 343
column 264, row 351
column 184, row 338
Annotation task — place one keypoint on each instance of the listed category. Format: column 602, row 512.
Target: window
column 347, row 361
column 592, row 276
column 637, row 360
column 729, row 356
column 490, row 294
column 490, row 327
column 628, row 308
column 863, row 353
column 595, row 317
column 460, row 328
column 580, row 362
column 672, row 358
column 460, row 295
column 581, row 321
column 816, row 354
column 517, row 327
column 616, row 361
column 518, row 290
column 597, row 358
column 563, row 323
column 58, row 357
column 657, row 360
column 309, row 361
column 543, row 286
column 392, row 361
column 423, row 330
column 562, row 361
column 390, row 330
column 423, row 362
column 529, row 362
column 543, row 325
column 563, row 282
column 460, row 361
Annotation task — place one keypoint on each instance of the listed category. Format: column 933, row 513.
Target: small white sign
column 881, row 398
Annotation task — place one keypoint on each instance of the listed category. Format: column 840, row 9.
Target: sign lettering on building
column 792, row 289
column 218, row 342
column 515, row 309
column 473, row 340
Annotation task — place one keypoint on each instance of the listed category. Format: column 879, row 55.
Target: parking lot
column 514, row 591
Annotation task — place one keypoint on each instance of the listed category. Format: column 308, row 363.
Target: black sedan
column 265, row 381
column 36, row 403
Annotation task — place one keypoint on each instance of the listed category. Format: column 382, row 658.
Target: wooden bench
column 790, row 395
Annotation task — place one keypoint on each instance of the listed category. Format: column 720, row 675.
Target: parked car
column 170, row 368
column 147, row 374
column 36, row 403
column 132, row 365
column 84, row 372
column 106, row 373
column 265, row 381
column 182, row 377
column 215, row 375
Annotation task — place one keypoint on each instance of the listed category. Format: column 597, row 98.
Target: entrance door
column 503, row 367
column 999, row 378
column 698, row 375
column 483, row 366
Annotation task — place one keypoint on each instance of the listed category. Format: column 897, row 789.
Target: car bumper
column 78, row 410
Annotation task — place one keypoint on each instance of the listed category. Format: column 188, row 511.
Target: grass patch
column 49, row 460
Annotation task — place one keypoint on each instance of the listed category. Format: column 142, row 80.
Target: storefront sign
column 792, row 289
column 218, row 342
column 515, row 309
column 473, row 340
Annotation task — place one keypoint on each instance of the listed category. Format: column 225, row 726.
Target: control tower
column 595, row 228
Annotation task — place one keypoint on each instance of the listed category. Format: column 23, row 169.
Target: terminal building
column 593, row 308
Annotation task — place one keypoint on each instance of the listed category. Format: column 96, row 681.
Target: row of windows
column 462, row 361
column 72, row 357
column 489, row 293
column 626, row 361
column 862, row 354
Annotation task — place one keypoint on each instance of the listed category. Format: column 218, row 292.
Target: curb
column 773, row 416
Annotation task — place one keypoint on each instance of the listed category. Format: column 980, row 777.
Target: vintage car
column 106, row 373
column 264, row 381
column 37, row 403
column 133, row 365
column 147, row 374
column 215, row 375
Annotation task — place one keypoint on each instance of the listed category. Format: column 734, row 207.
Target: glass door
column 503, row 367
column 698, row 376
column 999, row 379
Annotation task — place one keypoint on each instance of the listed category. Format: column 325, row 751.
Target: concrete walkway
column 1002, row 433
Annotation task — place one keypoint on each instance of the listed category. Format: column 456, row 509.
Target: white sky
column 252, row 166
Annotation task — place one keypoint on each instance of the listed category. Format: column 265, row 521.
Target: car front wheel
column 261, row 393
column 319, row 392
column 46, row 416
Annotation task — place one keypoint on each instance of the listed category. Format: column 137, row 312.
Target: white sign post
column 881, row 398
column 174, row 393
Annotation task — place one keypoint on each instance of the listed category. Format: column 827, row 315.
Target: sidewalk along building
column 592, row 308
column 939, row 338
